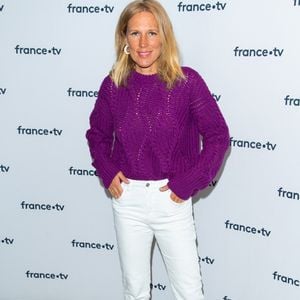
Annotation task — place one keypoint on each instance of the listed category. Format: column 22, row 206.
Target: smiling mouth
column 144, row 53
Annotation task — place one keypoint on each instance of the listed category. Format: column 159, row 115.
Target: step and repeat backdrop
column 57, row 240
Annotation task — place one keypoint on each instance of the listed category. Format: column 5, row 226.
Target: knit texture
column 149, row 132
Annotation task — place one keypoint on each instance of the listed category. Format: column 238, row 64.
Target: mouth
column 144, row 54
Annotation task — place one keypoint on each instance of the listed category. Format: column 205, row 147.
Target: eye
column 134, row 33
column 152, row 33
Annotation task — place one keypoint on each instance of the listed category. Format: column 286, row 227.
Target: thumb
column 164, row 188
column 123, row 178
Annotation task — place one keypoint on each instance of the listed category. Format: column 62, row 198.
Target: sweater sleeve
column 215, row 141
column 100, row 135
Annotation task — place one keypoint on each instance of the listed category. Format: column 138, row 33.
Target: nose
column 143, row 40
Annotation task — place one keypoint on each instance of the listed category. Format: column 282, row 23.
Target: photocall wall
column 57, row 240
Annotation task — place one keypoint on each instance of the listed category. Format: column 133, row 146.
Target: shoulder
column 195, row 84
column 107, row 82
column 107, row 85
column 106, row 90
column 188, row 70
column 193, row 78
column 191, row 74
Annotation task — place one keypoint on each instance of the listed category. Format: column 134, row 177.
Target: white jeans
column 143, row 212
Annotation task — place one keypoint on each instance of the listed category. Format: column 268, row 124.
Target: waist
column 148, row 183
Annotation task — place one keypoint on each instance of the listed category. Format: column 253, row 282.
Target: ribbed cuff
column 186, row 185
column 107, row 173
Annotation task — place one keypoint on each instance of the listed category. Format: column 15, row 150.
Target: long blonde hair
column 169, row 69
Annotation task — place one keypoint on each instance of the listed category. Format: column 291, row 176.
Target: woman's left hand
column 173, row 196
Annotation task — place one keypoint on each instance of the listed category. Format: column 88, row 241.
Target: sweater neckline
column 143, row 78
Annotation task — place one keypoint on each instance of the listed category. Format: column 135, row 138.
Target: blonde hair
column 169, row 69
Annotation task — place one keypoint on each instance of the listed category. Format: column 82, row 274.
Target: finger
column 116, row 180
column 115, row 187
column 115, row 195
column 118, row 191
column 164, row 188
column 123, row 178
column 112, row 193
column 175, row 198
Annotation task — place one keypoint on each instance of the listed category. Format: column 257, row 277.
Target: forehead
column 143, row 19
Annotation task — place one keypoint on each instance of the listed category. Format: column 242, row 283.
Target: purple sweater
column 149, row 132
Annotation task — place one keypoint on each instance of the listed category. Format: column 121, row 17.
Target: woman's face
column 144, row 42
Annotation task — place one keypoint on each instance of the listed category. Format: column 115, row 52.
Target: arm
column 215, row 141
column 100, row 136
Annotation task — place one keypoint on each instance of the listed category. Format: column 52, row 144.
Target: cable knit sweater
column 149, row 132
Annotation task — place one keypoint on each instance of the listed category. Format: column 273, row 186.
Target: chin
column 145, row 65
column 146, row 69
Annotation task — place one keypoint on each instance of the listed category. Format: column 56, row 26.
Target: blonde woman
column 144, row 138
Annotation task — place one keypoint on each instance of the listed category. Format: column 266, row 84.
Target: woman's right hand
column 115, row 187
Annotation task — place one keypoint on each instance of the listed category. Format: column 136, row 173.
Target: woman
column 144, row 139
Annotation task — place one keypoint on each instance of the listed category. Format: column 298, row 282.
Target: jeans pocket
column 172, row 201
column 176, row 203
